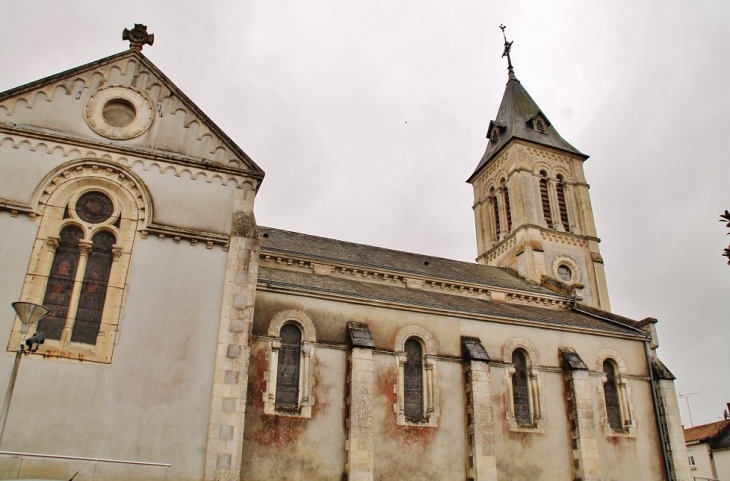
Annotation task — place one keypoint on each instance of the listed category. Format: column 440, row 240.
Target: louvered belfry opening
column 520, row 389
column 413, row 380
column 610, row 390
column 495, row 212
column 561, row 203
column 507, row 211
column 545, row 200
column 287, row 375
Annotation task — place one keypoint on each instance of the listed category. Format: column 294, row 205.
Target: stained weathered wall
column 408, row 452
column 290, row 447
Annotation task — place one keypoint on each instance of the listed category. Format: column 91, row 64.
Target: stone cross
column 138, row 37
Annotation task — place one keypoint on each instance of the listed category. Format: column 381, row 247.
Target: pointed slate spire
column 519, row 117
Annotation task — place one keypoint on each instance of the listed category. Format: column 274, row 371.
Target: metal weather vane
column 506, row 53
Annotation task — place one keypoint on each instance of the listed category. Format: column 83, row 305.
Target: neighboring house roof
column 706, row 432
column 514, row 119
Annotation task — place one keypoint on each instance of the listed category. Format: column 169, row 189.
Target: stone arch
column 525, row 345
column 292, row 316
column 415, row 331
column 612, row 355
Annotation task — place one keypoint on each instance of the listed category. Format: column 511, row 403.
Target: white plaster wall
column 722, row 464
column 17, row 235
column 151, row 403
column 703, row 466
column 190, row 203
column 22, row 169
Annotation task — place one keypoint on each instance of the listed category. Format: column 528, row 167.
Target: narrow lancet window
column 561, row 203
column 61, row 282
column 495, row 212
column 287, row 377
column 413, row 380
column 610, row 390
column 93, row 289
column 544, row 196
column 520, row 389
column 507, row 211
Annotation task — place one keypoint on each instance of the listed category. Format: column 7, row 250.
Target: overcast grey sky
column 369, row 116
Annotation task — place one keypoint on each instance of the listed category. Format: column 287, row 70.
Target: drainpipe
column 662, row 440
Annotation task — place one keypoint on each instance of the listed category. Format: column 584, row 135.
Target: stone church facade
column 187, row 342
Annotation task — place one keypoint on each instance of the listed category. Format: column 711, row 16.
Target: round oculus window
column 119, row 112
column 94, row 207
column 564, row 272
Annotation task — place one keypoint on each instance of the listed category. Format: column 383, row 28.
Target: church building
column 186, row 342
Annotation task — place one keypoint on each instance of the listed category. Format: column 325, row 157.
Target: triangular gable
column 63, row 102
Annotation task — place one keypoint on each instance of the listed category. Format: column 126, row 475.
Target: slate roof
column 514, row 121
column 705, row 432
column 333, row 251
column 371, row 292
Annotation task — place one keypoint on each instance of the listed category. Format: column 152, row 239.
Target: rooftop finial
column 138, row 37
column 507, row 48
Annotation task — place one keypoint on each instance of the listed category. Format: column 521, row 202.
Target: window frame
column 306, row 398
column 431, row 410
column 623, row 389
column 55, row 201
column 534, row 385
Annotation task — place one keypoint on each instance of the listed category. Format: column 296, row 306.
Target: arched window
column 562, row 206
column 77, row 283
column 507, row 211
column 287, row 376
column 413, row 379
column 611, row 394
column 495, row 212
column 61, row 282
column 521, row 389
column 545, row 197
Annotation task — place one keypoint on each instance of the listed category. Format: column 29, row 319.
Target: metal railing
column 81, row 458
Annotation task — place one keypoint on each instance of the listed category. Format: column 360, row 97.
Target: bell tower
column 531, row 204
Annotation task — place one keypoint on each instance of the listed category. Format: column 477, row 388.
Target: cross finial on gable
column 506, row 53
column 138, row 37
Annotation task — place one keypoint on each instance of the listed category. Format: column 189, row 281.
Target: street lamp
column 29, row 314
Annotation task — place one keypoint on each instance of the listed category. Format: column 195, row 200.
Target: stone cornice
column 380, row 275
column 75, row 141
column 321, row 293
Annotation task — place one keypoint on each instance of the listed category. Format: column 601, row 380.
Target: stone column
column 586, row 462
column 671, row 421
column 480, row 417
column 361, row 380
column 554, row 206
column 230, row 378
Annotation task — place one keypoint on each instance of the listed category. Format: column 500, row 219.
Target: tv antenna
column 686, row 398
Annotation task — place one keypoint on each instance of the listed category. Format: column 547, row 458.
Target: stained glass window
column 413, row 379
column 610, row 390
column 61, row 282
column 287, row 376
column 93, row 289
column 520, row 389
column 94, row 207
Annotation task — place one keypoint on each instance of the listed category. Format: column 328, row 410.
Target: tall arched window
column 495, row 213
column 545, row 197
column 521, row 389
column 61, row 282
column 287, row 376
column 77, row 284
column 507, row 211
column 611, row 394
column 562, row 206
column 413, row 379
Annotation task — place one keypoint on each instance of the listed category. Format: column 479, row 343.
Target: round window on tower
column 565, row 273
